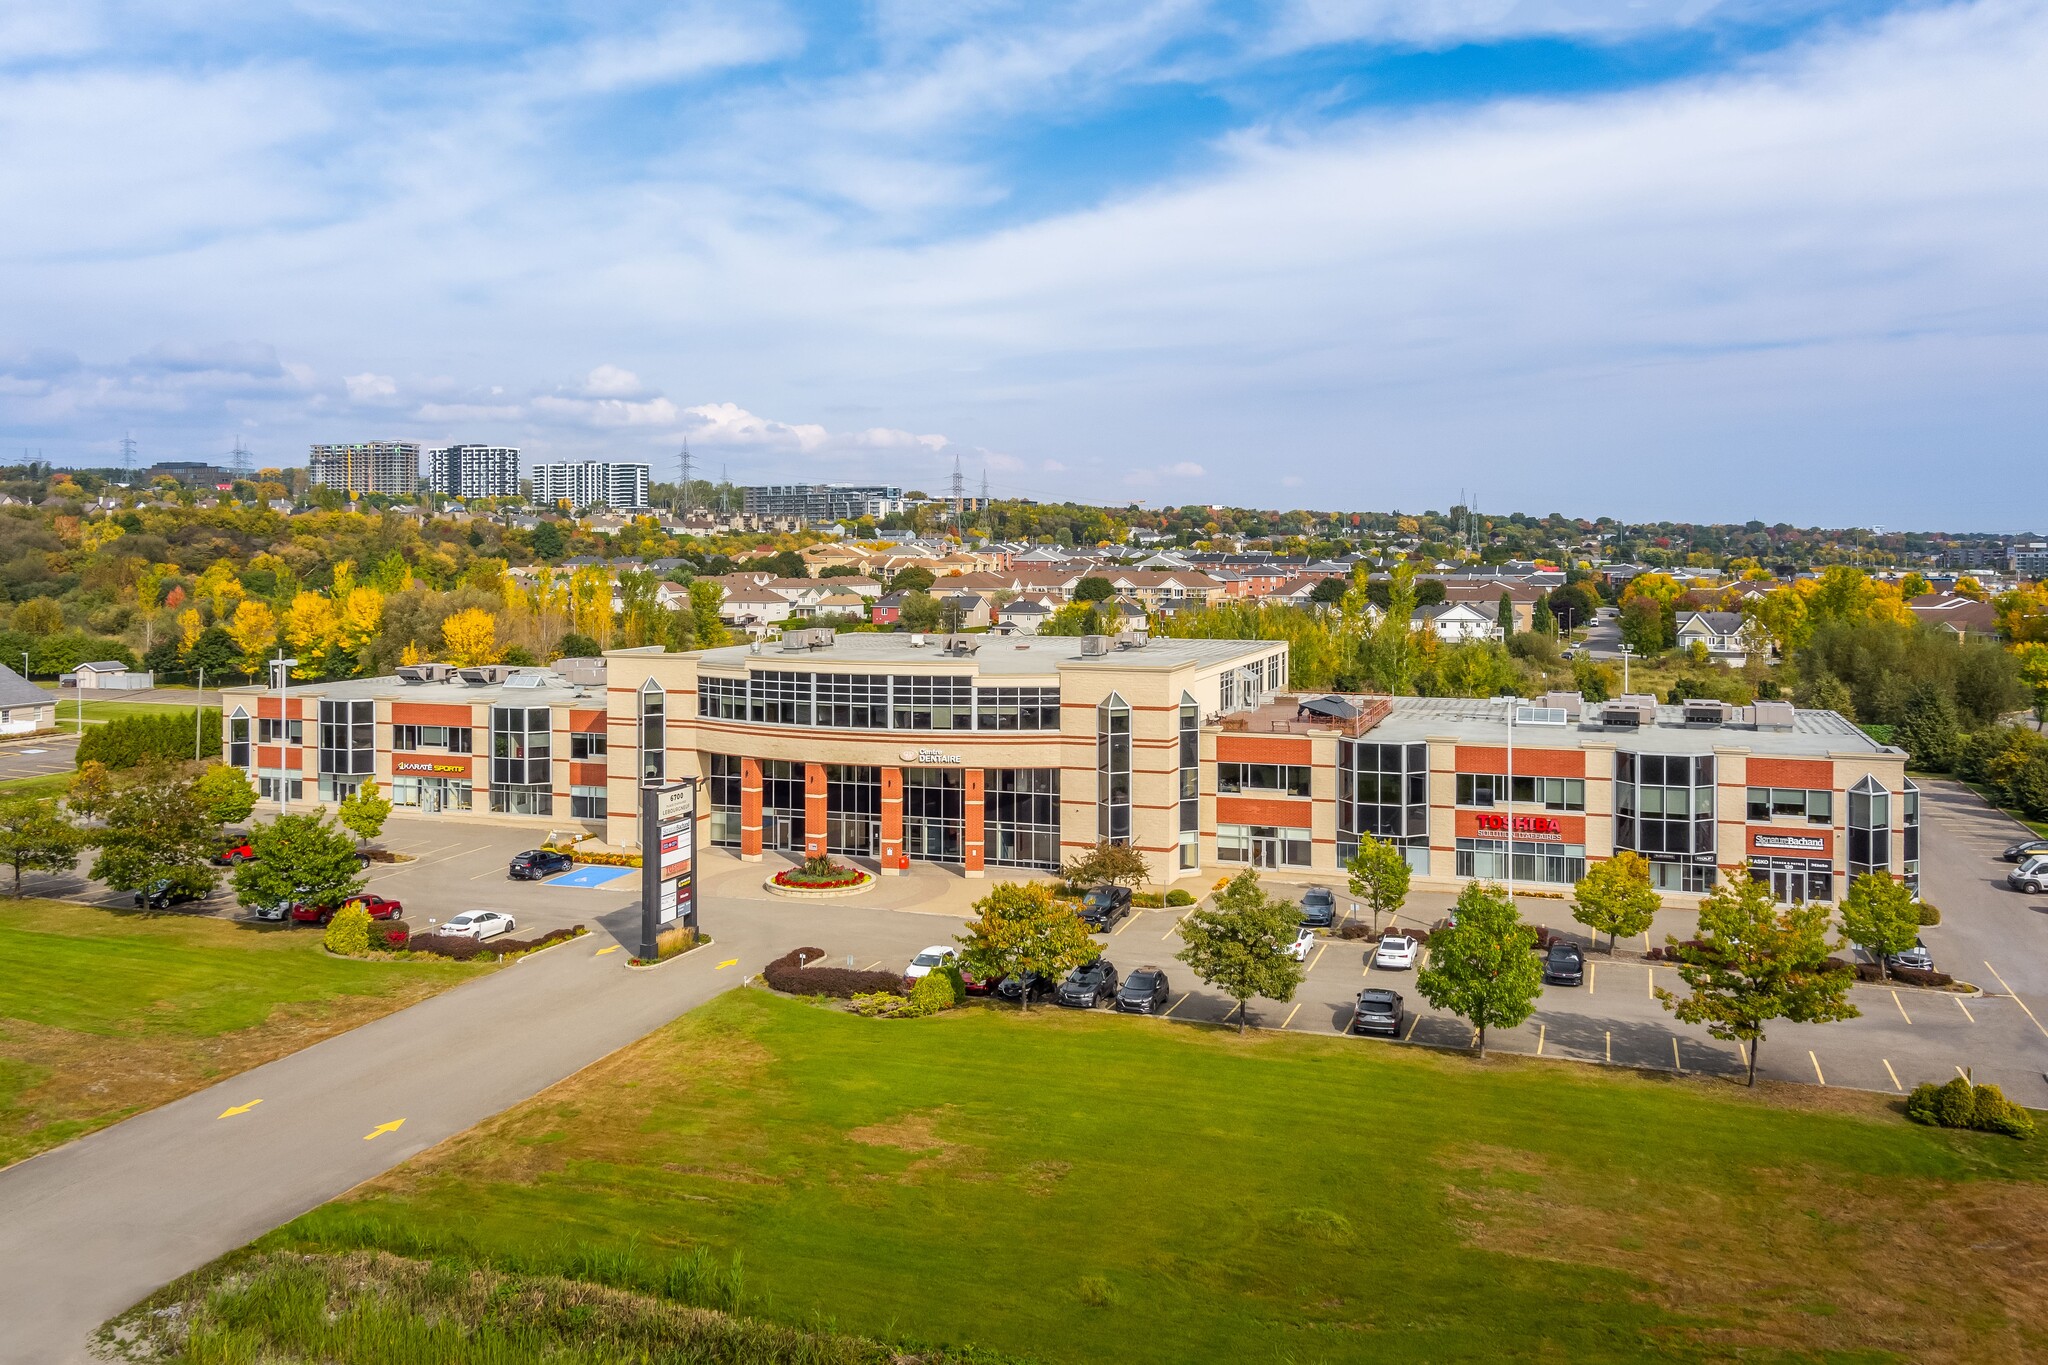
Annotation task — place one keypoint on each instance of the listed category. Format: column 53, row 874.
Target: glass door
column 1265, row 846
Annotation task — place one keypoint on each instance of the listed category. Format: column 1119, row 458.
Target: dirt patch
column 1936, row 1271
column 910, row 1132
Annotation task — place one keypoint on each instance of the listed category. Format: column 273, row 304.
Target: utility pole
column 987, row 519
column 958, row 496
column 199, row 715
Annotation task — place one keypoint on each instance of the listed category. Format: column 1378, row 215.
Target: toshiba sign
column 1541, row 828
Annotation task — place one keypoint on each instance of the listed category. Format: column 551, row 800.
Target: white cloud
column 682, row 47
column 368, row 388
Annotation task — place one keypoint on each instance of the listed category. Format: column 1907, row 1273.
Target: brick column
column 750, row 810
column 814, row 809
column 892, row 820
column 971, row 813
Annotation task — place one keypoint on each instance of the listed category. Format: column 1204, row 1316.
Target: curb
column 824, row 893
column 633, row 966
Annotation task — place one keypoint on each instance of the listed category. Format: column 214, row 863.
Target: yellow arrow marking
column 238, row 1109
column 384, row 1128
column 602, row 951
column 729, row 962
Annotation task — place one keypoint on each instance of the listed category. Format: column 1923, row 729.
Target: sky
column 1671, row 259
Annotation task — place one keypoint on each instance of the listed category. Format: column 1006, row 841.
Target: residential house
column 1963, row 617
column 1456, row 622
column 24, row 708
column 1724, row 633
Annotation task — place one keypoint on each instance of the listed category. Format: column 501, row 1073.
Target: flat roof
column 1482, row 721
column 552, row 690
column 997, row 654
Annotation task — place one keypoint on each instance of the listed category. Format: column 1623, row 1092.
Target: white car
column 1396, row 953
column 1304, row 943
column 922, row 964
column 479, row 924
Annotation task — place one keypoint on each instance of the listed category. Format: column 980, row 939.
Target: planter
column 815, row 893
column 634, row 964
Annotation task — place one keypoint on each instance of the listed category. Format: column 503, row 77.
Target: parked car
column 2025, row 849
column 1089, row 986
column 1144, row 992
column 378, row 907
column 1304, row 943
column 276, row 912
column 922, row 964
column 974, row 985
column 1103, row 906
column 479, row 924
column 1029, row 984
column 1318, row 908
column 1379, row 1011
column 241, row 851
column 2030, row 876
column 537, row 863
column 1396, row 953
column 1916, row 957
column 1564, row 965
column 162, row 894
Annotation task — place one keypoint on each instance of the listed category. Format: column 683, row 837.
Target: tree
column 1483, row 967
column 1114, row 864
column 1329, row 591
column 1826, row 692
column 2032, row 659
column 1542, row 619
column 708, row 629
column 157, row 830
column 916, row 578
column 254, row 631
column 226, row 794
column 1755, row 961
column 1642, row 626
column 1019, row 928
column 548, row 540
column 213, row 651
column 1094, row 589
column 574, row 646
column 1928, row 728
column 920, row 612
column 364, row 811
column 1239, row 947
column 35, row 837
column 1615, row 897
column 1881, row 916
column 1379, row 876
column 299, row 858
column 470, row 637
column 92, row 787
column 1504, row 613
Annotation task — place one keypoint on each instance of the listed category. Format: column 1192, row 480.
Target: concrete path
column 89, row 1229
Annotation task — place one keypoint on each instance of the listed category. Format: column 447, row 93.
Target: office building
column 591, row 483
column 820, row 502
column 474, row 471
column 388, row 467
column 196, row 473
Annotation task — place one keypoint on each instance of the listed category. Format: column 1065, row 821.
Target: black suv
column 1379, row 1011
column 1564, row 965
column 1086, row 987
column 162, row 894
column 1014, row 987
column 1103, row 906
column 1318, row 908
column 536, row 863
column 1144, row 992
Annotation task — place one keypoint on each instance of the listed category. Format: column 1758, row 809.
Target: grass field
column 50, row 784
column 1080, row 1188
column 104, row 1013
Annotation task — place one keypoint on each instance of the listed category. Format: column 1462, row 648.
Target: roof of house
column 1719, row 622
column 16, row 690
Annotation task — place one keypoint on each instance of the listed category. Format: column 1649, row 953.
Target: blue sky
column 1671, row 258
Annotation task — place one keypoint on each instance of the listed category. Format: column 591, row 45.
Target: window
column 348, row 738
column 1285, row 779
column 587, row 803
column 1488, row 860
column 1480, row 789
column 1791, row 803
column 588, row 744
column 1113, row 770
column 1667, row 875
column 1021, row 817
column 452, row 739
column 1017, row 708
column 1383, row 791
column 853, row 701
column 1664, row 803
column 931, row 703
column 1909, row 803
column 238, row 740
column 853, row 808
column 779, row 698
column 1870, row 829
column 272, row 731
column 521, row 743
column 431, row 794
column 722, row 698
column 1190, row 783
column 1264, row 845
column 1552, row 793
column 653, row 732
column 725, row 800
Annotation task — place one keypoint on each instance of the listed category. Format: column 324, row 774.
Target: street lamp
column 1514, row 704
column 281, row 670
column 1626, row 650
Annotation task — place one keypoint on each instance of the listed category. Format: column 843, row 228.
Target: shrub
column 129, row 740
column 1178, row 897
column 1992, row 1112
column 454, row 946
column 515, row 947
column 1921, row 976
column 1920, row 1104
column 1954, row 1105
column 1148, row 900
column 932, row 993
column 787, row 974
column 348, row 933
column 391, row 936
column 882, row 1005
column 1961, row 1105
column 1929, row 916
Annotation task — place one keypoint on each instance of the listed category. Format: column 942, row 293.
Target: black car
column 1564, row 965
column 1103, row 906
column 1379, row 1011
column 536, row 863
column 2025, row 849
column 162, row 894
column 1014, row 987
column 1318, row 908
column 1144, row 992
column 1086, row 987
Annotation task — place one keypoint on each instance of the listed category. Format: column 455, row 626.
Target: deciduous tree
column 35, row 837
column 1379, row 877
column 470, row 638
column 1880, row 915
column 364, row 811
column 156, row 830
column 92, row 787
column 1483, row 967
column 299, row 858
column 253, row 630
column 1239, row 946
column 226, row 794
column 1754, row 962
column 1615, row 897
column 1116, row 864
column 1019, row 928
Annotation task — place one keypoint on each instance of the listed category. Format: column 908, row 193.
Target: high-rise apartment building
column 467, row 471
column 822, row 501
column 591, row 483
column 388, row 467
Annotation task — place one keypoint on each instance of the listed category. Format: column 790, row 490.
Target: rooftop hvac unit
column 1094, row 646
column 1621, row 718
column 484, row 675
column 1571, row 703
column 1132, row 639
column 809, row 637
column 1705, row 711
column 1774, row 715
column 425, row 673
column 961, row 644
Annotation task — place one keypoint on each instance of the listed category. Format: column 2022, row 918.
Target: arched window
column 653, row 736
column 1113, row 770
column 1870, row 828
column 238, row 738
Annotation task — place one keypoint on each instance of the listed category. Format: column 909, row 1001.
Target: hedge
column 1959, row 1104
column 462, row 948
column 787, row 974
column 130, row 740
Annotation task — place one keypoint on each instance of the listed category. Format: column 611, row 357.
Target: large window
column 1190, row 783
column 1870, row 829
column 453, row 739
column 722, row 698
column 653, row 732
column 1909, row 803
column 585, row 744
column 1279, row 779
column 853, row 701
column 1017, row 708
column 1383, row 791
column 238, row 739
column 431, row 795
column 521, row 754
column 942, row 703
column 1487, row 860
column 853, row 810
column 587, row 803
column 782, row 805
column 348, row 738
column 272, row 731
column 1263, row 845
column 1020, row 817
column 1664, row 803
column 725, row 800
column 1552, row 793
column 934, row 821
column 777, row 698
column 1791, row 803
column 1113, row 770
column 876, row 701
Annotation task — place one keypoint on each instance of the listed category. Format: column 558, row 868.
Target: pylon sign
column 668, row 860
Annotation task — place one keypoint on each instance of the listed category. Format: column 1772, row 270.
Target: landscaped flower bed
column 821, row 874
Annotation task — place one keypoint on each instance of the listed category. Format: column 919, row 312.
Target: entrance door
column 1788, row 885
column 432, row 791
column 1265, row 846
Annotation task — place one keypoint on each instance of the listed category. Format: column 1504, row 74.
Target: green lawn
column 1086, row 1188
column 50, row 784
column 104, row 1013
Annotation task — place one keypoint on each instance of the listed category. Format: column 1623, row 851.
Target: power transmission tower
column 987, row 523
column 128, row 454
column 724, row 485
column 959, row 495
column 240, row 457
column 688, row 502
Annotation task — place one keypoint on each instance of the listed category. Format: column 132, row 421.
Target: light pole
column 1514, row 703
column 280, row 670
column 1626, row 650
column 199, row 716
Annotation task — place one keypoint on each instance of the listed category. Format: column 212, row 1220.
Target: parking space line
column 1816, row 1067
column 1649, row 982
column 1129, row 920
column 1175, row 928
column 1290, row 1015
column 446, row 857
column 1317, row 958
column 1960, row 1072
column 2015, row 999
column 871, row 966
column 1413, row 1020
column 1964, row 1008
column 1610, row 1045
column 1539, row 1039
column 1677, row 1062
column 1352, row 1022
column 1174, row 1006
column 1592, row 977
column 1902, row 1007
column 1891, row 1073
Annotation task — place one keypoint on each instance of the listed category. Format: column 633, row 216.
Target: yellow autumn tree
column 309, row 628
column 2023, row 613
column 254, row 630
column 189, row 629
column 470, row 637
column 409, row 656
column 220, row 588
column 590, row 593
column 361, row 616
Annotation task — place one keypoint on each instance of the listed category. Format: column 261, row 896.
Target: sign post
column 668, row 861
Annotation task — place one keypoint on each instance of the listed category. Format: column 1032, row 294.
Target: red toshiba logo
column 1524, row 824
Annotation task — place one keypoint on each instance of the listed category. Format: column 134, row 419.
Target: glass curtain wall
column 653, row 734
column 725, row 800
column 1190, row 783
column 1020, row 817
column 521, row 743
column 782, row 805
column 1383, row 790
column 1113, row 770
column 348, row 746
column 853, row 810
column 1664, row 810
column 934, row 823
column 1870, row 829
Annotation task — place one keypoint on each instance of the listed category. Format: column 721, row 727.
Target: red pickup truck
column 378, row 907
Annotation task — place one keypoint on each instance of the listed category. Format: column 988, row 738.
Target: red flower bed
column 797, row 879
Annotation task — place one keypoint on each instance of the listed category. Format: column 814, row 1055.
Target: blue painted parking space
column 591, row 876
